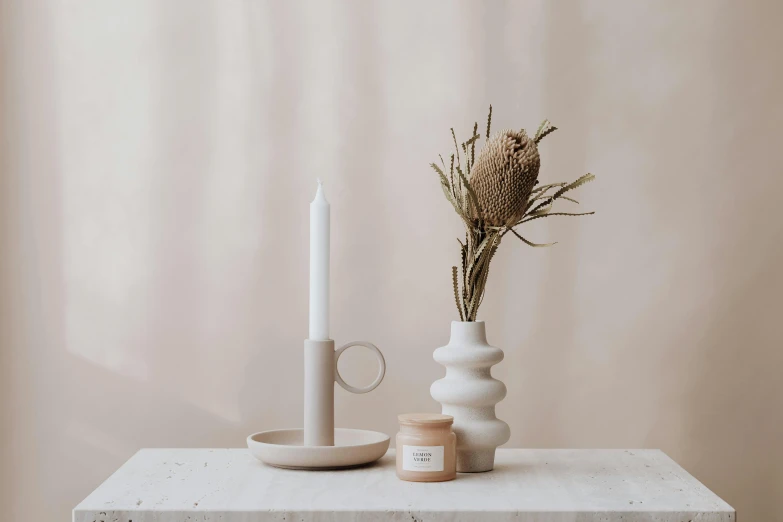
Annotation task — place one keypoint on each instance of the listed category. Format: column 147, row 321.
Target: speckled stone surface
column 229, row 485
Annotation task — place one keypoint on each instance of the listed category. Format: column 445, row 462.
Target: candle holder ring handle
column 381, row 367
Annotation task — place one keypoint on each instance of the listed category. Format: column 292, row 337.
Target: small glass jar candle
column 426, row 448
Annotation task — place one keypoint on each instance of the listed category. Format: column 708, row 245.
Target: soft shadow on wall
column 733, row 402
column 682, row 296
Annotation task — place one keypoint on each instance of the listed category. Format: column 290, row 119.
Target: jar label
column 422, row 458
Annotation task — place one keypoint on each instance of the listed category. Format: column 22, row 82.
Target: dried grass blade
column 489, row 121
column 547, row 187
column 471, row 194
column 544, row 130
column 559, row 194
column 530, row 243
column 531, row 218
column 456, row 291
column 472, row 142
column 454, row 137
column 576, row 184
column 540, row 211
column 477, row 253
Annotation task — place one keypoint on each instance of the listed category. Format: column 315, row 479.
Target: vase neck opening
column 473, row 331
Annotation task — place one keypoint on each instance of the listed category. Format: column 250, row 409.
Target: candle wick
column 319, row 193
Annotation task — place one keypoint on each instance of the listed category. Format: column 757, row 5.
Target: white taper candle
column 319, row 266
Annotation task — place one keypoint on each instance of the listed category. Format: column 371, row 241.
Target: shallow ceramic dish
column 285, row 449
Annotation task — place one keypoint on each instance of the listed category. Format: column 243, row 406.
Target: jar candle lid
column 425, row 419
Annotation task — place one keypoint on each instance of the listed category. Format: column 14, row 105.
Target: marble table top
column 229, row 485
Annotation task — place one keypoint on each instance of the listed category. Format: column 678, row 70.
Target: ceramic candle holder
column 319, row 445
column 320, row 374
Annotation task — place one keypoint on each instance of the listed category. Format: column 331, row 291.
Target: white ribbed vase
column 469, row 393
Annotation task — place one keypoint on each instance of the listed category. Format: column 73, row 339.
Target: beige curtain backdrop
column 158, row 158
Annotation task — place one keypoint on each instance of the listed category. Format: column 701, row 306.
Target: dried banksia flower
column 492, row 194
column 504, row 176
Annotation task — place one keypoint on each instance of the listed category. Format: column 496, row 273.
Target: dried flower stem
column 481, row 239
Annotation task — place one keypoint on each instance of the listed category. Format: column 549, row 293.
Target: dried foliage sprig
column 493, row 194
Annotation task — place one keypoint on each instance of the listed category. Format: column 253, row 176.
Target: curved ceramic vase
column 469, row 393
